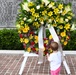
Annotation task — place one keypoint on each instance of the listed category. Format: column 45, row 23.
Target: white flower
column 68, row 8
column 46, row 1
column 25, row 6
column 50, row 21
column 49, row 5
column 73, row 27
column 66, row 20
column 42, row 22
column 38, row 7
column 24, row 18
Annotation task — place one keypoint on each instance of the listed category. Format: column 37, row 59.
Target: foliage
column 33, row 15
column 72, row 42
column 9, row 40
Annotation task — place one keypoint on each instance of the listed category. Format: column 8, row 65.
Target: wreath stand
column 55, row 38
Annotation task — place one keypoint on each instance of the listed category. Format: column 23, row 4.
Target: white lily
column 68, row 8
column 45, row 1
column 38, row 7
column 73, row 27
column 66, row 20
column 25, row 6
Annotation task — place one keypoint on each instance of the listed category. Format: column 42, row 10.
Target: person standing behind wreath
column 54, row 59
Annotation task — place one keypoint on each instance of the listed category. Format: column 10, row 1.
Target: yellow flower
column 36, row 24
column 57, row 19
column 36, row 37
column 50, row 13
column 62, row 40
column 46, row 41
column 56, row 10
column 69, row 17
column 41, row 19
column 60, row 27
column 65, row 42
column 55, row 25
column 36, row 41
column 67, row 26
column 64, row 12
column 22, row 22
column 26, row 26
column 19, row 31
column 26, row 29
column 21, row 39
column 51, row 4
column 52, row 18
column 26, row 40
column 50, row 37
column 61, row 20
column 37, row 49
column 32, row 10
column 31, row 37
column 28, row 49
column 63, row 34
column 44, row 12
column 36, row 15
column 30, row 4
column 60, row 6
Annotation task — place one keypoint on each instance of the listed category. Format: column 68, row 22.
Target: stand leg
column 66, row 65
column 23, row 63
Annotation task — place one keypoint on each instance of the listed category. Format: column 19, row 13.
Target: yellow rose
column 28, row 49
column 26, row 40
column 25, row 30
column 21, row 39
column 31, row 37
column 36, row 37
column 50, row 37
column 46, row 41
column 37, row 49
column 36, row 41
column 65, row 42
column 63, row 34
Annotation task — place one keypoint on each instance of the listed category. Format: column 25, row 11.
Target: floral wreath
column 32, row 15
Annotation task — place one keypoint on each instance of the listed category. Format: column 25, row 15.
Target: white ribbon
column 41, row 45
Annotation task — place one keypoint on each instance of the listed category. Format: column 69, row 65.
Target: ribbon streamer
column 41, row 45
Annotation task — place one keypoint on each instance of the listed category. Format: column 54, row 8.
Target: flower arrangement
column 32, row 15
